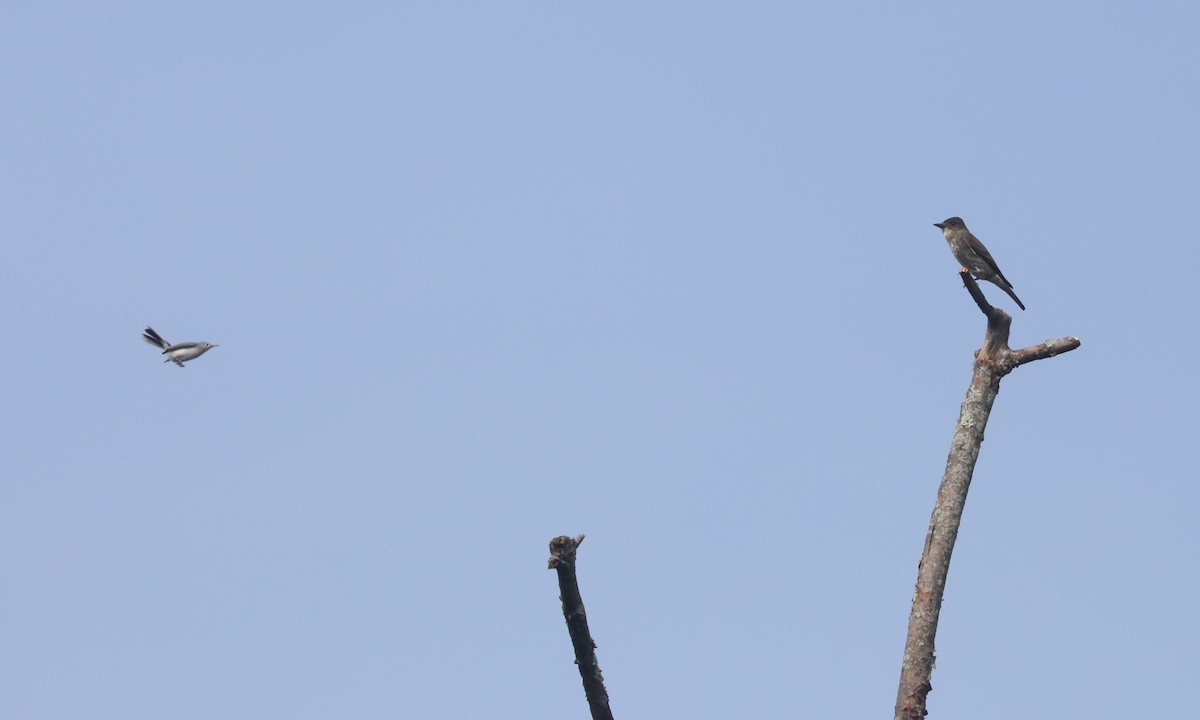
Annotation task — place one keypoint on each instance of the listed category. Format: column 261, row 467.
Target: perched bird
column 176, row 353
column 974, row 256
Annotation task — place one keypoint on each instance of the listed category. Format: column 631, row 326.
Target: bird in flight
column 178, row 353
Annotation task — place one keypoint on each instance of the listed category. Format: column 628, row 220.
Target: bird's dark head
column 949, row 223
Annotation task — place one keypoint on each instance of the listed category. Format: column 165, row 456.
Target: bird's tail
column 1008, row 289
column 156, row 340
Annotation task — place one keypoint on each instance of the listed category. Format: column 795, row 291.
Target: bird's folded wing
column 180, row 346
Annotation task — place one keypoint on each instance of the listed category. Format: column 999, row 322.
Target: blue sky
column 482, row 274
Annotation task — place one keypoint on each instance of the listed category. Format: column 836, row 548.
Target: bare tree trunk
column 992, row 362
column 562, row 559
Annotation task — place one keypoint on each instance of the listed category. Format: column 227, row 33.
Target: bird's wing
column 987, row 258
column 179, row 346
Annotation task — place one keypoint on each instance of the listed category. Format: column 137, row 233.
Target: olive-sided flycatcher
column 974, row 256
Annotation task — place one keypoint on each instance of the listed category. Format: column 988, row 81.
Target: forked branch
column 993, row 361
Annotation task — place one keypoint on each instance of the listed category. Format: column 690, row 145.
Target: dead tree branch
column 562, row 559
column 993, row 361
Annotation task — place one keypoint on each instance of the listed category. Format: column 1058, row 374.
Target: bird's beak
column 939, row 226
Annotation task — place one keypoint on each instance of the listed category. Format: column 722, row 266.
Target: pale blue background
column 661, row 273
